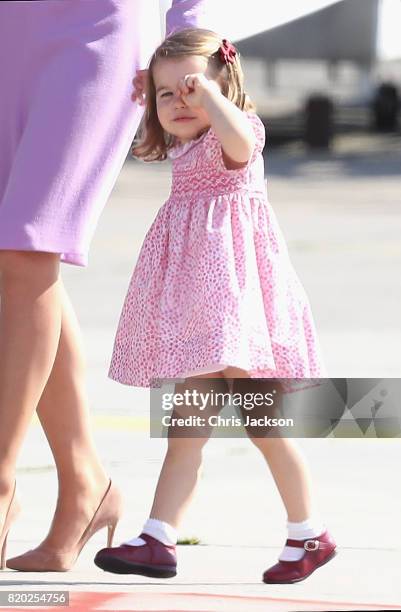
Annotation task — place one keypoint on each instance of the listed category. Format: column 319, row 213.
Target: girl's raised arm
column 231, row 126
column 184, row 14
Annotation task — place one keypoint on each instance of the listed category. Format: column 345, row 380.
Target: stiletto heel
column 11, row 514
column 3, row 552
column 110, row 534
column 42, row 559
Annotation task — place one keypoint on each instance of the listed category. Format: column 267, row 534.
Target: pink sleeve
column 213, row 150
column 260, row 134
column 185, row 14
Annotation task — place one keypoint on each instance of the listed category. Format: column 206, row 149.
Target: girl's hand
column 139, row 83
column 194, row 89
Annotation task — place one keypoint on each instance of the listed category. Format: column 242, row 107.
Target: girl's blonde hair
column 153, row 142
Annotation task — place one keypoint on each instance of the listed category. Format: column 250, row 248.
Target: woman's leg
column 41, row 365
column 181, row 468
column 64, row 415
column 30, row 325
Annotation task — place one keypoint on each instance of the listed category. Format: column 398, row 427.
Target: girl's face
column 175, row 116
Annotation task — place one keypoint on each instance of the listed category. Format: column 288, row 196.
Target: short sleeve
column 260, row 134
column 214, row 153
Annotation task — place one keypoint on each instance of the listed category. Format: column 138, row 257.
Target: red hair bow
column 227, row 52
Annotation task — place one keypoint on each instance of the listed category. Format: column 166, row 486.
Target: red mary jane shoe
column 152, row 559
column 318, row 551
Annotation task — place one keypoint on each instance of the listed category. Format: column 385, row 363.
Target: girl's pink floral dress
column 214, row 285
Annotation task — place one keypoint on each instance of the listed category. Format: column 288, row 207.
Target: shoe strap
column 151, row 540
column 309, row 545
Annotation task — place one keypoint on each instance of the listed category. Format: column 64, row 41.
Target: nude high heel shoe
column 42, row 559
column 11, row 514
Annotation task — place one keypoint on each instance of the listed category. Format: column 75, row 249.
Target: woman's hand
column 139, row 83
column 195, row 88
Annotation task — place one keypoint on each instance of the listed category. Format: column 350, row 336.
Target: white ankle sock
column 311, row 528
column 165, row 533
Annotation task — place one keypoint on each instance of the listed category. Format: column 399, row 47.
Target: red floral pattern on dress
column 214, row 283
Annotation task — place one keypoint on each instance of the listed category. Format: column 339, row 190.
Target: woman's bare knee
column 28, row 267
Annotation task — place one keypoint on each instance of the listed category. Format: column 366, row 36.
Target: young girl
column 213, row 291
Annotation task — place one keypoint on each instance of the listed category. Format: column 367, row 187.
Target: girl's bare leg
column 182, row 464
column 290, row 473
column 178, row 478
column 30, row 325
column 287, row 465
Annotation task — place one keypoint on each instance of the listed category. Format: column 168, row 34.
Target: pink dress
column 214, row 285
